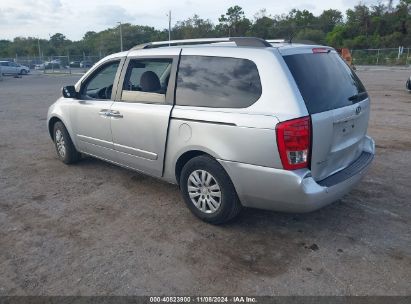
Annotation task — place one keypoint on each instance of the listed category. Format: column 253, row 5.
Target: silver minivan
column 235, row 122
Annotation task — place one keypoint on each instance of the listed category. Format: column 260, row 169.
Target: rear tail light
column 293, row 141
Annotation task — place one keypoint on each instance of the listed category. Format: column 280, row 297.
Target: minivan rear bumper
column 294, row 191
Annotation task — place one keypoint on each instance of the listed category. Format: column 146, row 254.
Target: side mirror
column 69, row 92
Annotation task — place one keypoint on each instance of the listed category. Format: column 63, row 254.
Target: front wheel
column 208, row 191
column 23, row 72
column 65, row 149
column 408, row 85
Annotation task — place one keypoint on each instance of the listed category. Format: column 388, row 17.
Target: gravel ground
column 97, row 229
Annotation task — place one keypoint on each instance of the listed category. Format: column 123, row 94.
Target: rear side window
column 325, row 81
column 217, row 82
column 137, row 68
column 146, row 80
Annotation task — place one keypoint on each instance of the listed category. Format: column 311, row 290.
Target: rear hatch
column 337, row 103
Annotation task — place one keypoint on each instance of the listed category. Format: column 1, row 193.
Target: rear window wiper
column 358, row 97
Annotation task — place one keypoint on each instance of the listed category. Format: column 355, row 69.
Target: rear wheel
column 408, row 85
column 208, row 190
column 65, row 149
column 23, row 72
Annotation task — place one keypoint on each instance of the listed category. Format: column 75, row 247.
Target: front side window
column 100, row 84
column 146, row 80
column 217, row 82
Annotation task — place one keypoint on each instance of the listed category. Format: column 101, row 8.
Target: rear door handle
column 115, row 114
column 104, row 113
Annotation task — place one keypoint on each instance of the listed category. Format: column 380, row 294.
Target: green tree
column 302, row 18
column 263, row 25
column 5, row 47
column 311, row 35
column 358, row 20
column 336, row 36
column 193, row 27
column 234, row 22
column 362, row 27
column 329, row 19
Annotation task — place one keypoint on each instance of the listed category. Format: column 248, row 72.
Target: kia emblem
column 358, row 110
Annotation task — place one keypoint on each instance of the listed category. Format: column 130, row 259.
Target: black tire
column 23, row 72
column 70, row 155
column 408, row 85
column 230, row 205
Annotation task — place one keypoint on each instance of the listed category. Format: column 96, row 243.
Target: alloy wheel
column 61, row 145
column 204, row 191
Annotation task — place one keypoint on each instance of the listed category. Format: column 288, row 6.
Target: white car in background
column 53, row 64
column 12, row 68
column 39, row 66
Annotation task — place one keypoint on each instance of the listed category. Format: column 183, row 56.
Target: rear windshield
column 325, row 81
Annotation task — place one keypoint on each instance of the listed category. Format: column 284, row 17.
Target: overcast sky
column 41, row 18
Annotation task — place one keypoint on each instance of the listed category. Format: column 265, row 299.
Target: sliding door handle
column 116, row 114
column 104, row 113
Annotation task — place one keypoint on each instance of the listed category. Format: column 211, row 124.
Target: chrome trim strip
column 206, row 121
column 135, row 152
column 95, row 141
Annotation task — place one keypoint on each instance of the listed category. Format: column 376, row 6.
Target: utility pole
column 38, row 43
column 121, row 37
column 169, row 27
column 68, row 60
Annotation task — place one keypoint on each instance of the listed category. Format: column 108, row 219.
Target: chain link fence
column 389, row 56
column 56, row 64
column 78, row 64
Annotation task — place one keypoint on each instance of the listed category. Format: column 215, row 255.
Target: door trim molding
column 135, row 152
column 95, row 141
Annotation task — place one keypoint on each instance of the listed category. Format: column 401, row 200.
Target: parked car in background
column 32, row 64
column 235, row 122
column 85, row 64
column 56, row 61
column 52, row 65
column 12, row 68
column 74, row 64
column 40, row 66
column 48, row 65
column 24, row 70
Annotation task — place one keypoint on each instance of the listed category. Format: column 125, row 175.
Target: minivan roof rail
column 239, row 41
column 276, row 40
